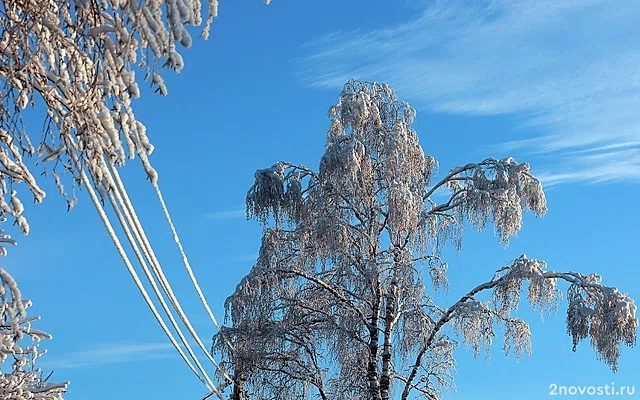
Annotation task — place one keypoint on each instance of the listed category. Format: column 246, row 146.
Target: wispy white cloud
column 111, row 354
column 600, row 164
column 569, row 68
column 227, row 214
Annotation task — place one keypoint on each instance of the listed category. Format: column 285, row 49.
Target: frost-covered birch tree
column 79, row 64
column 20, row 379
column 340, row 302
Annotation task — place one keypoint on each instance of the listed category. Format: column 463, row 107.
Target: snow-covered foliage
column 604, row 314
column 337, row 305
column 79, row 60
column 79, row 63
column 20, row 379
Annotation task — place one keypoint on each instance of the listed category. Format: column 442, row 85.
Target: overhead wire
column 134, row 221
column 119, row 214
column 135, row 234
column 116, row 241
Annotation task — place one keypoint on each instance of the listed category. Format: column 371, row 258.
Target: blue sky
column 553, row 83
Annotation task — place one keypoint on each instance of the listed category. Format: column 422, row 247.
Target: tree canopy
column 340, row 301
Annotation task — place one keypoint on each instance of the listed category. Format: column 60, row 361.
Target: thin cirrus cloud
column 112, row 354
column 569, row 69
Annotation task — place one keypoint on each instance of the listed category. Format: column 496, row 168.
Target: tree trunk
column 372, row 365
column 238, row 380
column 385, row 378
column 237, row 391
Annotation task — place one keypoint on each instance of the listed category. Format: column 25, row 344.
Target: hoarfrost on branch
column 337, row 305
column 20, row 380
column 79, row 61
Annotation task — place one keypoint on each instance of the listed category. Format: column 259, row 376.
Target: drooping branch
column 492, row 190
column 616, row 312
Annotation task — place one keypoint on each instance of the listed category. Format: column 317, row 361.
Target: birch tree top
column 338, row 305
